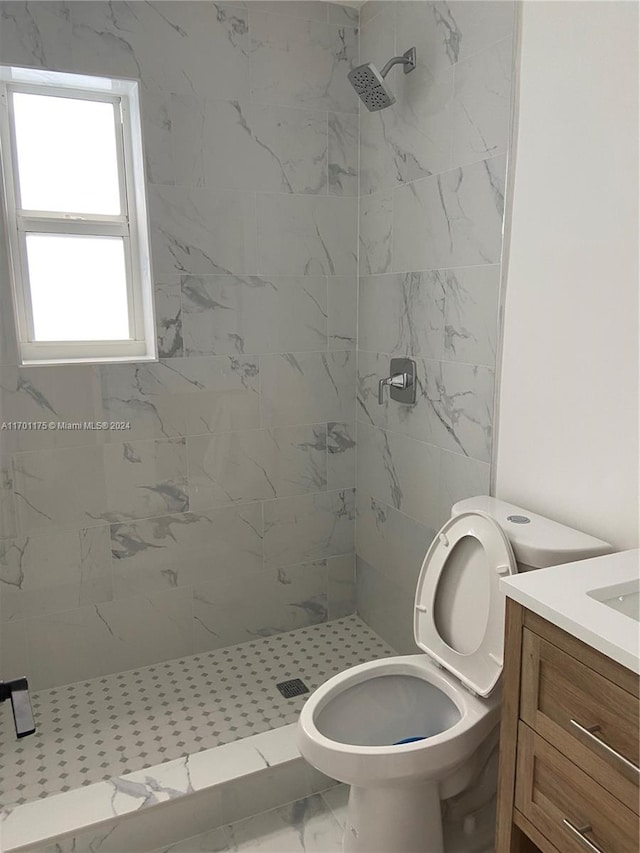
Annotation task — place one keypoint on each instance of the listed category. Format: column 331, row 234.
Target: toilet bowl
column 403, row 731
column 352, row 726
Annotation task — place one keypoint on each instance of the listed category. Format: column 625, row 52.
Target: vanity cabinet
column 569, row 744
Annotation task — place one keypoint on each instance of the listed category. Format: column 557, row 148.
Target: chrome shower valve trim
column 401, row 382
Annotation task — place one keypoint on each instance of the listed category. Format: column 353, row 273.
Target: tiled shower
column 298, row 243
column 226, row 511
column 432, row 188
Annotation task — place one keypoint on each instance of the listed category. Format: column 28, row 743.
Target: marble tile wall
column 432, row 176
column 269, row 193
column 227, row 510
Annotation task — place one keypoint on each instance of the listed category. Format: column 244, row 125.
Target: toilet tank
column 537, row 541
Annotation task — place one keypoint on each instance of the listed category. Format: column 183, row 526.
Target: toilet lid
column 459, row 608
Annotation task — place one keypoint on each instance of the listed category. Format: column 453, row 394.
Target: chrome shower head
column 370, row 86
column 369, row 82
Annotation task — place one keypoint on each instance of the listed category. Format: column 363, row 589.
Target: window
column 76, row 220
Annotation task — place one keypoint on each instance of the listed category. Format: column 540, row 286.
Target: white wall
column 568, row 422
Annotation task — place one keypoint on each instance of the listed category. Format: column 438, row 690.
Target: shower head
column 370, row 85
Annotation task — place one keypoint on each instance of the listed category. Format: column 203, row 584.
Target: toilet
column 406, row 732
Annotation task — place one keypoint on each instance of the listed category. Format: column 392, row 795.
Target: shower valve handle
column 398, row 380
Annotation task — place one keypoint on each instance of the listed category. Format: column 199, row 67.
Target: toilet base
column 394, row 820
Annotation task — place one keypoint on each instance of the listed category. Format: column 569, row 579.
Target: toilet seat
column 459, row 607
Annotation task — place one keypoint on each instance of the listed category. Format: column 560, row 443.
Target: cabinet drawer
column 571, row 810
column 591, row 720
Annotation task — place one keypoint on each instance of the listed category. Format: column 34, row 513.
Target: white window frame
column 131, row 224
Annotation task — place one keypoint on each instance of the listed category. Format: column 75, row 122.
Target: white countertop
column 559, row 594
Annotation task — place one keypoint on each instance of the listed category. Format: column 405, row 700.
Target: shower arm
column 407, row 59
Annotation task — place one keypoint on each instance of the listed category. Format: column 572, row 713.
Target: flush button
column 519, row 519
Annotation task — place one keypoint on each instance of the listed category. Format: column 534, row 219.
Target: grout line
column 357, row 329
column 431, row 359
column 411, row 438
column 434, row 175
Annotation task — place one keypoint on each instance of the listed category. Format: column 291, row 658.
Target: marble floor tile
column 306, row 825
column 215, row 841
column 337, row 798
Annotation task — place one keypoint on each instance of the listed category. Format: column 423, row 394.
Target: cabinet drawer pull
column 580, row 831
column 590, row 731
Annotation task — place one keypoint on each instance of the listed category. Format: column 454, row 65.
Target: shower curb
column 160, row 805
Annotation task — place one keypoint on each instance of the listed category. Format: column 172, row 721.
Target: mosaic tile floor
column 96, row 729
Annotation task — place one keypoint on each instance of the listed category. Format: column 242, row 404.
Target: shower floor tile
column 116, row 724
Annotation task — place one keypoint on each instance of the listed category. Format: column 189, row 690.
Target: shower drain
column 294, row 687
